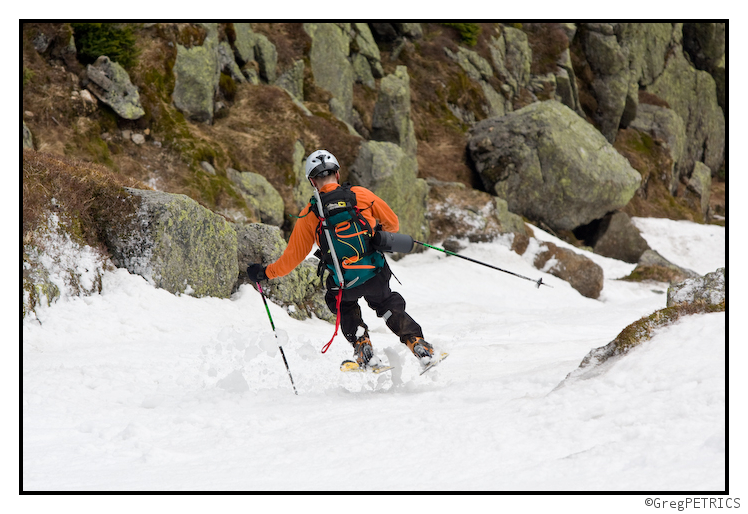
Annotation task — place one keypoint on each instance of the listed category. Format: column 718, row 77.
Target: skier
column 365, row 271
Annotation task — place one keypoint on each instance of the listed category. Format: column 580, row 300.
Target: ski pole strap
column 337, row 319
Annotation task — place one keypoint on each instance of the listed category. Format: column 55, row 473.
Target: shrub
column 468, row 32
column 114, row 40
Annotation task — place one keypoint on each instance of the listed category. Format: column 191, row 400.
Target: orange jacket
column 304, row 234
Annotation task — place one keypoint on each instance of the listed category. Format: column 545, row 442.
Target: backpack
column 351, row 237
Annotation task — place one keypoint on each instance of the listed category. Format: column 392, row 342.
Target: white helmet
column 321, row 163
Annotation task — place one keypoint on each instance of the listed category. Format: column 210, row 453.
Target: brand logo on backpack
column 351, row 238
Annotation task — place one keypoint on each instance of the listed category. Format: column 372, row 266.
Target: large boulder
column 176, row 244
column 301, row 291
column 693, row 95
column 708, row 290
column 390, row 173
column 391, row 118
column 550, row 165
column 617, row 237
column 111, row 84
column 197, row 71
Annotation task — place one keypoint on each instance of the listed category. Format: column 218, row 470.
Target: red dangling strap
column 337, row 319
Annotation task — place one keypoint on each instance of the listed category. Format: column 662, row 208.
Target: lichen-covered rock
column 111, row 84
column 682, row 86
column 479, row 70
column 267, row 58
column 550, row 165
column 260, row 194
column 244, row 42
column 579, row 271
column 391, row 118
column 301, row 291
column 302, row 189
column 666, row 125
column 709, row 289
column 292, row 80
column 700, row 186
column 618, row 238
column 328, row 58
column 391, row 174
column 176, row 244
column 197, row 71
column 653, row 266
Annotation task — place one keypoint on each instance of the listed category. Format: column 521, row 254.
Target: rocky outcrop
column 480, row 71
column 653, row 266
column 666, row 125
column 579, row 271
column 618, row 238
column 699, row 188
column 708, row 290
column 328, row 58
column 176, row 244
column 111, row 84
column 550, row 165
column 197, row 71
column 682, row 87
column 391, row 118
column 390, row 173
column 455, row 211
column 259, row 194
column 300, row 292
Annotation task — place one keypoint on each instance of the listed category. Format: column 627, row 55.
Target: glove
column 256, row 272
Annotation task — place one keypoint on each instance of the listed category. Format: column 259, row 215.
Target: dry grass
column 89, row 194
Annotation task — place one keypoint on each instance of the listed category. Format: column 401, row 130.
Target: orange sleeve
column 375, row 209
column 299, row 245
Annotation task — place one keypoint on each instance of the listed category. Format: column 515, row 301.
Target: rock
column 197, row 72
column 683, row 87
column 654, row 266
column 479, row 70
column 228, row 64
column 391, row 118
column 207, row 167
column 709, row 290
column 138, row 139
column 27, row 138
column 618, row 238
column 176, row 244
column 459, row 212
column 700, row 186
column 244, row 43
column 331, row 69
column 292, row 80
column 267, row 58
column 666, row 125
column 366, row 47
column 111, row 84
column 302, row 189
column 579, row 271
column 550, row 165
column 705, row 44
column 301, row 291
column 260, row 195
column 391, row 174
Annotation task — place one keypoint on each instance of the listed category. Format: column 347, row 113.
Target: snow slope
column 136, row 389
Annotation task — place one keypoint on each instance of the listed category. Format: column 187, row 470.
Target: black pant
column 377, row 293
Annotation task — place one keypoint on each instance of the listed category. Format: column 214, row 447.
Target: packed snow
column 136, row 389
